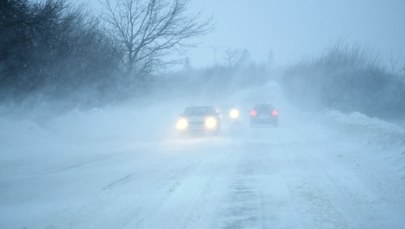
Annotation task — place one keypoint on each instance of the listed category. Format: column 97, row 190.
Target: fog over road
column 310, row 172
column 91, row 92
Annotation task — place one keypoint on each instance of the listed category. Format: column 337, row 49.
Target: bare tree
column 150, row 29
column 394, row 61
column 232, row 56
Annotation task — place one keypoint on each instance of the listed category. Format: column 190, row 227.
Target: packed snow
column 125, row 167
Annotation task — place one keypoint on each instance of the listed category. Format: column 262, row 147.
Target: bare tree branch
column 149, row 29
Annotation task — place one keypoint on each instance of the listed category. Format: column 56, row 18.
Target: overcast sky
column 298, row 29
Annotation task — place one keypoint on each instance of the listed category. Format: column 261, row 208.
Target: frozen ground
column 124, row 168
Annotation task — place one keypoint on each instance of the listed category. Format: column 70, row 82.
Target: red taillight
column 274, row 113
column 253, row 113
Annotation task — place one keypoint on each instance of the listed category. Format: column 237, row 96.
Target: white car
column 200, row 120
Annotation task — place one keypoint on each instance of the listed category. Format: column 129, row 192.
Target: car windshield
column 199, row 111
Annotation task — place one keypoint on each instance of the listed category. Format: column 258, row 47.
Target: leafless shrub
column 347, row 78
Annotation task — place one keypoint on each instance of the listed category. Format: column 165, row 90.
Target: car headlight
column 234, row 113
column 182, row 124
column 210, row 122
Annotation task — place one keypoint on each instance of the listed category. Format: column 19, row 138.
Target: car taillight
column 275, row 113
column 253, row 113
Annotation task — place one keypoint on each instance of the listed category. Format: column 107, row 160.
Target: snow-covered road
column 302, row 174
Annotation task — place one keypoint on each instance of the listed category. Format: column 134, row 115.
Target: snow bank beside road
column 380, row 153
column 363, row 127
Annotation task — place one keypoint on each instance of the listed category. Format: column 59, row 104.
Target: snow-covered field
column 123, row 167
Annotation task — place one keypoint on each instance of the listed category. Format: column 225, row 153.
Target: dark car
column 199, row 119
column 264, row 114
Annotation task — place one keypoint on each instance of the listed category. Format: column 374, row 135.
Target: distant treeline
column 215, row 82
column 346, row 78
column 52, row 49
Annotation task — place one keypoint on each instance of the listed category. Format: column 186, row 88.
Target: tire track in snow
column 119, row 181
column 193, row 201
column 244, row 202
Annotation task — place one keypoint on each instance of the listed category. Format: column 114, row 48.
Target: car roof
column 264, row 106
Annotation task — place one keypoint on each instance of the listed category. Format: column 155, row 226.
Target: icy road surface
column 302, row 174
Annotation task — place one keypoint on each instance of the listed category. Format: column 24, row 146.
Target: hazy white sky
column 297, row 29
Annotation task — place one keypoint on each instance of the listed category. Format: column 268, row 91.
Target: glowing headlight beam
column 210, row 123
column 182, row 124
column 234, row 113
